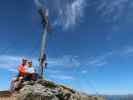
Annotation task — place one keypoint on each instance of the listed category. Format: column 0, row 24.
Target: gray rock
column 47, row 90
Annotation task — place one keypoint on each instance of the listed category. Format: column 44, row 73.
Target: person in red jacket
column 16, row 82
column 22, row 68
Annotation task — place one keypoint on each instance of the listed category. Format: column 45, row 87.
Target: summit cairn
column 47, row 90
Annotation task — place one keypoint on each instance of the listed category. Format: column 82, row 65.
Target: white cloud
column 102, row 63
column 62, row 77
column 127, row 51
column 11, row 63
column 69, row 13
column 65, row 61
column 114, row 9
column 84, row 72
column 100, row 60
column 54, row 71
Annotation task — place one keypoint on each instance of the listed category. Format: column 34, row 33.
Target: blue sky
column 90, row 48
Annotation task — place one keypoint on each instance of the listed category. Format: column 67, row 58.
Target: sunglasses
column 29, row 62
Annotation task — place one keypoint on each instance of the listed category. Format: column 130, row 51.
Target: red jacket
column 21, row 69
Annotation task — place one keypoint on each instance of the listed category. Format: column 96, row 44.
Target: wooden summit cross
column 46, row 28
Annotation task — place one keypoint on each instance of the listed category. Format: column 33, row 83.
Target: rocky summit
column 47, row 90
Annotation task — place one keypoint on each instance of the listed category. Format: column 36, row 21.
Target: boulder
column 47, row 90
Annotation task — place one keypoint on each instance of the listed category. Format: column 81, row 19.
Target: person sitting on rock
column 22, row 68
column 16, row 81
column 30, row 72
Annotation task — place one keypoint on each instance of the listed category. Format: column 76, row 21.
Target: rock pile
column 47, row 90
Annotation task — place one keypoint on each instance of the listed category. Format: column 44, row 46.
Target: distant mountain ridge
column 5, row 93
column 119, row 97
